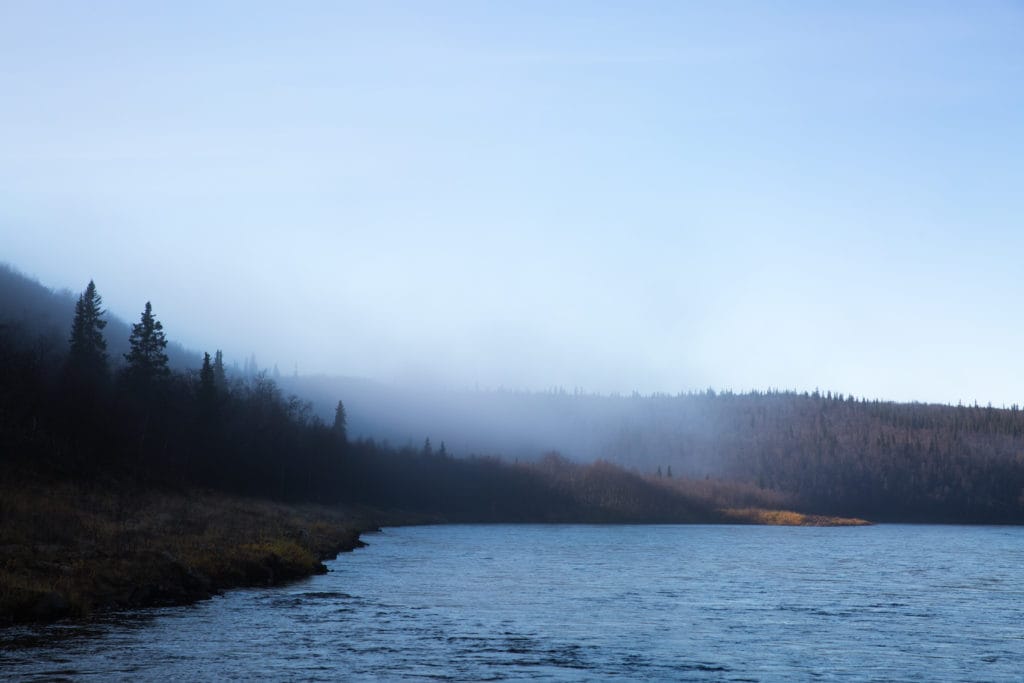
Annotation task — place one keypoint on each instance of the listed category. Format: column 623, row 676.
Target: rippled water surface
column 714, row 603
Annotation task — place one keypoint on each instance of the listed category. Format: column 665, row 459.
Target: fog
column 643, row 433
column 654, row 198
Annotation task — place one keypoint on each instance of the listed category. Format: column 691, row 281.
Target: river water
column 690, row 603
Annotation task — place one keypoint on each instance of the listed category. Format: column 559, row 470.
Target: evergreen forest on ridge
column 72, row 409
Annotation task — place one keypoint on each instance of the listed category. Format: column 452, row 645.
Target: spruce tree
column 207, row 399
column 147, row 362
column 207, row 382
column 87, row 356
column 220, row 378
column 340, row 427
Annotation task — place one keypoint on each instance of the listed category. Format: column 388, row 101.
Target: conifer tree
column 87, row 356
column 220, row 379
column 208, row 400
column 207, row 382
column 147, row 362
column 340, row 427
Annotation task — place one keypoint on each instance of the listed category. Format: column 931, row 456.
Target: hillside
column 140, row 423
column 44, row 316
column 824, row 452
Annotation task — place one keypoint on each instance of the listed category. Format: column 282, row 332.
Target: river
column 525, row 602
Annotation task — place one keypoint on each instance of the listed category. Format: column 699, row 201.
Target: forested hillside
column 103, row 414
column 44, row 315
column 881, row 459
column 70, row 410
column 823, row 451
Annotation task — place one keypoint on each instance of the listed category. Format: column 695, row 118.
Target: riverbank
column 70, row 551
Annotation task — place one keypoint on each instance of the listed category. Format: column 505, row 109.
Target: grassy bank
column 787, row 518
column 68, row 550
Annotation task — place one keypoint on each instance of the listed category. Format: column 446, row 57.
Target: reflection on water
column 702, row 603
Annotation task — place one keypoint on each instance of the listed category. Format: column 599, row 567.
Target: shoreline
column 70, row 552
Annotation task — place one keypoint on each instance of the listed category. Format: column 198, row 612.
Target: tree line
column 838, row 455
column 78, row 414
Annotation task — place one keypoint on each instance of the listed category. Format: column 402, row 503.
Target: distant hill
column 46, row 314
column 822, row 452
column 830, row 452
column 61, row 420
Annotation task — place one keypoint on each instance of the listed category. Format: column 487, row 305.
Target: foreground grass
column 67, row 550
column 787, row 518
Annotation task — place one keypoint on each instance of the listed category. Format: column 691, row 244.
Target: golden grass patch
column 787, row 518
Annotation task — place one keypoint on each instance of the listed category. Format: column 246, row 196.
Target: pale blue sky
column 615, row 196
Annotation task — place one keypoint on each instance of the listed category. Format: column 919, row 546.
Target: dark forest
column 73, row 409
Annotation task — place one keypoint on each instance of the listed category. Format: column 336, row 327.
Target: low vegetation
column 70, row 550
column 787, row 518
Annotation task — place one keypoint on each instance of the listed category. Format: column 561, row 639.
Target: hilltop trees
column 220, row 379
column 147, row 362
column 340, row 427
column 207, row 385
column 87, row 355
column 85, row 370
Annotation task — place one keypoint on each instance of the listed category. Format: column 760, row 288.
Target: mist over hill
column 68, row 415
column 687, row 431
column 46, row 314
column 828, row 451
column 521, row 425
column 819, row 452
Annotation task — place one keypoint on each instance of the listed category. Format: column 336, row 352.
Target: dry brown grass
column 66, row 550
column 787, row 518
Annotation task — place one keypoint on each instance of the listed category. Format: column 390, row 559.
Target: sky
column 610, row 196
